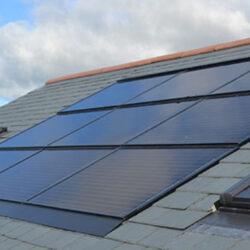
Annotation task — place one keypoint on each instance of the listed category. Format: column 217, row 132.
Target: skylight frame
column 229, row 198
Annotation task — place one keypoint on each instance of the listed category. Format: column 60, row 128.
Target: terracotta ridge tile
column 208, row 49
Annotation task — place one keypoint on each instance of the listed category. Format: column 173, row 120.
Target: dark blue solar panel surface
column 119, row 183
column 194, row 83
column 10, row 158
column 241, row 84
column 121, row 125
column 51, row 130
column 118, row 93
column 224, row 120
column 43, row 169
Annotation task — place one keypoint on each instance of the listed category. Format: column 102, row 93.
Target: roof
column 163, row 225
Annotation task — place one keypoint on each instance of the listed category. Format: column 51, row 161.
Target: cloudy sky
column 43, row 39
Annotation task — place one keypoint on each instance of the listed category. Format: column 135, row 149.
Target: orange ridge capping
column 208, row 49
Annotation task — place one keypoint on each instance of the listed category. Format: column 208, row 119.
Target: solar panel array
column 110, row 155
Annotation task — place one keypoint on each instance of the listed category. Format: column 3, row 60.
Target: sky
column 44, row 39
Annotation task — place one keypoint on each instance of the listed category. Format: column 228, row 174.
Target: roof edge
column 220, row 46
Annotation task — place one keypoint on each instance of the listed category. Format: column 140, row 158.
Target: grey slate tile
column 215, row 242
column 246, row 146
column 37, row 232
column 241, row 245
column 56, row 239
column 240, row 156
column 21, row 230
column 23, row 246
column 4, row 221
column 7, row 228
column 149, row 215
column 221, row 231
column 160, row 238
column 197, row 184
column 179, row 200
column 186, row 241
column 131, row 232
column 205, row 204
column 82, row 243
column 179, row 219
column 104, row 244
column 220, row 185
column 170, row 218
column 3, row 238
column 209, row 185
column 130, row 247
column 226, row 170
column 8, row 244
column 244, row 172
column 39, row 248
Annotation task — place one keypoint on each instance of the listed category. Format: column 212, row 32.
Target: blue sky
column 61, row 37
column 15, row 10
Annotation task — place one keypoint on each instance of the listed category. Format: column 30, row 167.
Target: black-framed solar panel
column 120, row 183
column 239, row 85
column 222, row 120
column 194, row 83
column 121, row 125
column 50, row 130
column 97, row 168
column 10, row 158
column 69, row 220
column 118, row 93
column 42, row 170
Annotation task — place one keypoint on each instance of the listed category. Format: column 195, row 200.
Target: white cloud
column 72, row 36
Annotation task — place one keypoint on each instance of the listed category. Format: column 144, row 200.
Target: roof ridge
column 220, row 46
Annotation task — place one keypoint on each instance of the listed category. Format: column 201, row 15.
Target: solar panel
column 239, row 85
column 121, row 125
column 63, row 219
column 96, row 169
column 10, row 158
column 118, row 93
column 121, row 182
column 224, row 120
column 194, row 83
column 38, row 172
column 51, row 130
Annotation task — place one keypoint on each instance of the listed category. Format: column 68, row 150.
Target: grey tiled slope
column 163, row 225
column 26, row 111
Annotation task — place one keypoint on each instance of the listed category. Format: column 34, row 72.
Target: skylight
column 238, row 196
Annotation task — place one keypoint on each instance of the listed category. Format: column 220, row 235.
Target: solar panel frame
column 29, row 208
column 12, row 163
column 60, row 218
column 122, row 125
column 43, row 170
column 185, row 124
column 158, row 94
column 79, row 106
column 57, row 127
column 149, row 200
